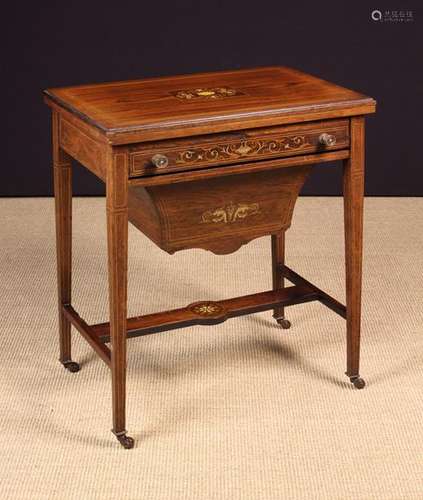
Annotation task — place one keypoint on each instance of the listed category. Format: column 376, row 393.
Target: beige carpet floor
column 238, row 411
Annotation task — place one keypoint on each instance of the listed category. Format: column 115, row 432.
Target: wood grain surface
column 218, row 214
column 140, row 110
column 237, row 147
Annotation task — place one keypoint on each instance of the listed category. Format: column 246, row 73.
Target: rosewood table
column 207, row 161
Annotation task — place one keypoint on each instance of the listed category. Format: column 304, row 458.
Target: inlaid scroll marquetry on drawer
column 248, row 145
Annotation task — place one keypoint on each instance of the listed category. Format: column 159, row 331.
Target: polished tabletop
column 220, row 99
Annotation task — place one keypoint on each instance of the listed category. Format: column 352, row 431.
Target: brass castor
column 126, row 441
column 284, row 323
column 71, row 366
column 358, row 382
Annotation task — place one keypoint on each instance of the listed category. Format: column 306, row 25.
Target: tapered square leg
column 278, row 260
column 62, row 171
column 117, row 244
column 353, row 222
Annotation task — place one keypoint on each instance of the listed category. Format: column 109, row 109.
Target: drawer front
column 244, row 146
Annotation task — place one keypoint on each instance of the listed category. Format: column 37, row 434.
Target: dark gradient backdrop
column 52, row 44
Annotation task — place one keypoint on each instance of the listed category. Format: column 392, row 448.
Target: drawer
column 236, row 147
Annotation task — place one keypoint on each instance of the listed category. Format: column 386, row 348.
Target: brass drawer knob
column 160, row 161
column 327, row 139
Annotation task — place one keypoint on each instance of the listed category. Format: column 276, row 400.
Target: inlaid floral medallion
column 207, row 309
column 206, row 93
column 230, row 213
